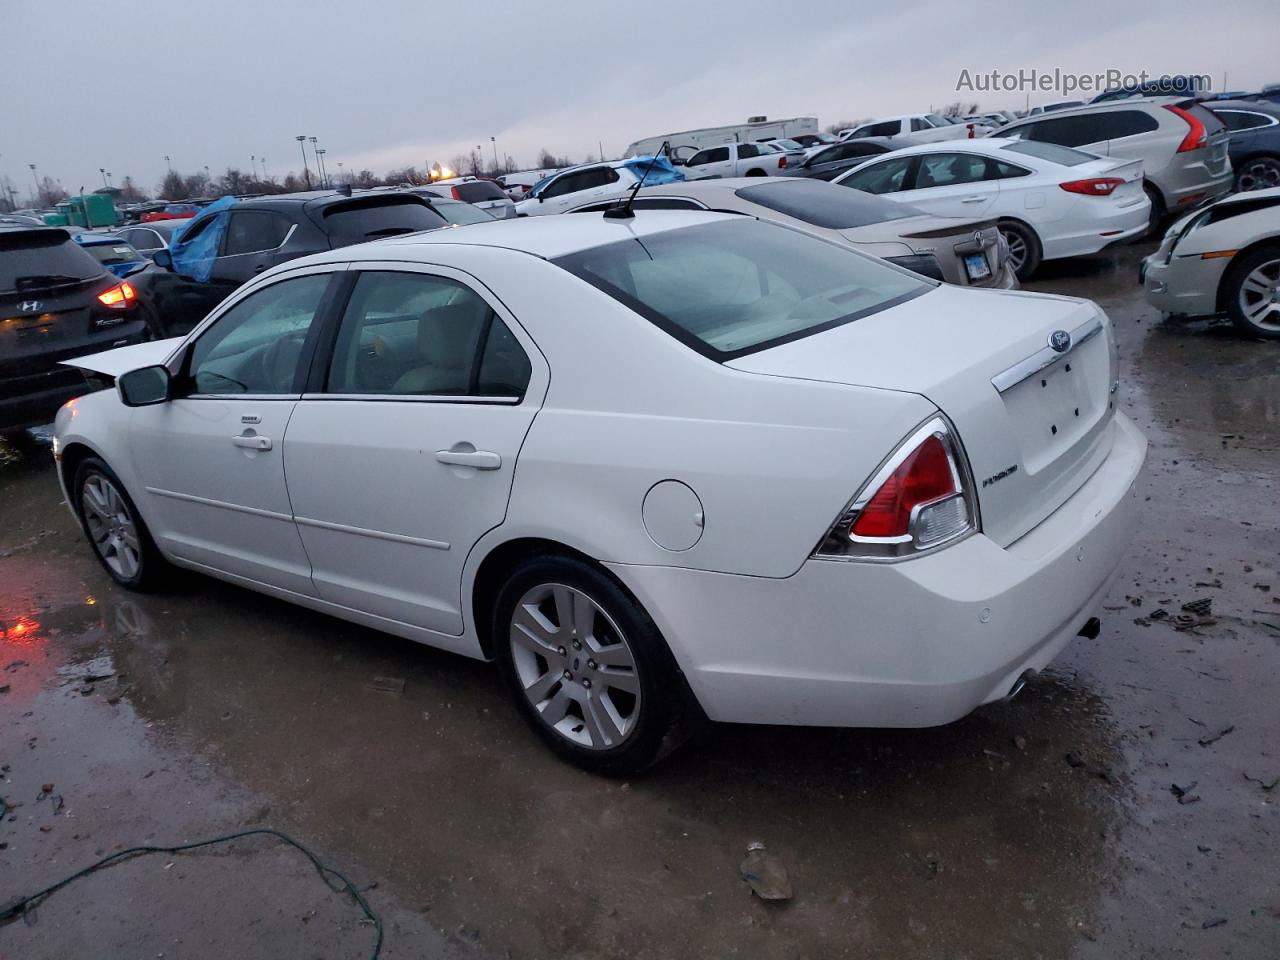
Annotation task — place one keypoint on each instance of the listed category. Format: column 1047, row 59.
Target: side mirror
column 144, row 387
column 162, row 258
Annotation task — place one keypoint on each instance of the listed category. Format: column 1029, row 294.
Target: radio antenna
column 623, row 210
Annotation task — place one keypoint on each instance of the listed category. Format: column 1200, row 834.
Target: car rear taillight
column 456, row 194
column 782, row 161
column 920, row 498
column 1197, row 136
column 1093, row 187
column 120, row 297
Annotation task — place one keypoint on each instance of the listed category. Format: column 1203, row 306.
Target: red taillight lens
column 925, row 475
column 1197, row 136
column 1093, row 187
column 782, row 161
column 120, row 297
column 456, row 194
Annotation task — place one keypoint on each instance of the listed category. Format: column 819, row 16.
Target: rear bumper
column 1186, row 286
column 912, row 644
column 1194, row 185
column 1095, row 230
column 38, row 406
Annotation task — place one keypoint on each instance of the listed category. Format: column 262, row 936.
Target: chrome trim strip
column 376, row 534
column 206, row 501
column 1045, row 357
column 413, row 398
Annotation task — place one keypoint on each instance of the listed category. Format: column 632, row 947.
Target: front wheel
column 588, row 667
column 1024, row 248
column 1252, row 289
column 119, row 538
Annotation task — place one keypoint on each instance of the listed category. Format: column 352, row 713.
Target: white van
column 688, row 142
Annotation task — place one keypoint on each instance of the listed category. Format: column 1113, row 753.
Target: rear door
column 401, row 454
column 250, row 245
column 953, row 185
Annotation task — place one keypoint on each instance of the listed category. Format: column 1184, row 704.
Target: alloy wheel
column 1017, row 249
column 1259, row 296
column 1258, row 174
column 575, row 666
column 111, row 526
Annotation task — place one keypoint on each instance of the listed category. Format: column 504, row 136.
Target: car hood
column 123, row 359
column 1032, row 437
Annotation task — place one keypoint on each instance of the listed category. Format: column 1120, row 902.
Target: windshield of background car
column 823, row 205
column 111, row 253
column 735, row 287
column 28, row 256
column 463, row 213
column 477, row 191
column 361, row 220
column 1052, row 152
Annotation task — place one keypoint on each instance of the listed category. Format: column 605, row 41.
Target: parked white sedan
column 1051, row 201
column 1224, row 258
column 680, row 463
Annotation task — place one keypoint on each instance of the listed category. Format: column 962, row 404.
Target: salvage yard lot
column 1045, row 826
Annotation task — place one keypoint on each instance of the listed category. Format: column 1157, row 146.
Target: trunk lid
column 1035, row 422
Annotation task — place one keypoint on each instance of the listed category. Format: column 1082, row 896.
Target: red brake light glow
column 120, row 297
column 1197, row 136
column 1093, row 187
column 782, row 161
column 456, row 194
column 925, row 475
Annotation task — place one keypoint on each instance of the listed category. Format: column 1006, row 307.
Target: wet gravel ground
column 1042, row 827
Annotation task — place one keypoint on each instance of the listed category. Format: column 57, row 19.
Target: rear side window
column 1242, row 119
column 949, row 169
column 413, row 334
column 887, row 176
column 734, row 287
column 250, row 231
column 477, row 191
column 37, row 260
column 369, row 219
column 1123, row 123
column 714, row 155
column 888, row 128
column 1051, row 152
column 1072, row 131
column 823, row 205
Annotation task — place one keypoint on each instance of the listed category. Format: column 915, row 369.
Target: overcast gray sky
column 383, row 83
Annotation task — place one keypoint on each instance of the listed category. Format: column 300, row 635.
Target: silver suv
column 1182, row 146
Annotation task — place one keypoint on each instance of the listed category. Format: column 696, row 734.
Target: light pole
column 339, row 171
column 494, row 141
column 103, row 171
column 316, row 153
column 324, row 174
column 35, row 197
column 253, row 165
column 168, row 162
column 108, row 179
column 302, row 145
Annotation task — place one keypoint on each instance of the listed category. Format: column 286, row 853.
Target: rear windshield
column 823, row 205
column 374, row 217
column 34, row 261
column 462, row 213
column 1051, row 152
column 110, row 253
column 734, row 287
column 475, row 191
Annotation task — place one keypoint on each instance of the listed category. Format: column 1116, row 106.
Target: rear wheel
column 1258, row 173
column 588, row 667
column 1252, row 290
column 1024, row 248
column 1156, row 217
column 756, row 173
column 115, row 529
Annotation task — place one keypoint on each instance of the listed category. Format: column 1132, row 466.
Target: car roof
column 1128, row 104
column 1257, row 106
column 547, row 237
column 984, row 145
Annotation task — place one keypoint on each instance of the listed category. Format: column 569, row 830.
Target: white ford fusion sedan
column 656, row 468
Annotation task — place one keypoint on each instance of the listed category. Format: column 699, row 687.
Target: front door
column 212, row 460
column 401, row 454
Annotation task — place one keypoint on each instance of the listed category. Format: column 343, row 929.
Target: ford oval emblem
column 1060, row 341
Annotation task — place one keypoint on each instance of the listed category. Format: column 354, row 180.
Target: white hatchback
column 1051, row 201
column 656, row 468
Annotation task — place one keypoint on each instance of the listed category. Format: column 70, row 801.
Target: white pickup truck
column 742, row 160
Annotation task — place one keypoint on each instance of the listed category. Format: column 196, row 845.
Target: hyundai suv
column 56, row 302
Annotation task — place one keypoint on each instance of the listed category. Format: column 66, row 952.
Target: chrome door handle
column 480, row 459
column 252, row 443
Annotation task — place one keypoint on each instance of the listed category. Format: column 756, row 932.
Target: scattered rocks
column 765, row 874
column 1215, row 737
column 1183, row 792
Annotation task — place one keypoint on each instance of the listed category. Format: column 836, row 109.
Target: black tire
column 1258, row 173
column 756, row 173
column 663, row 712
column 150, row 568
column 1155, row 219
column 1022, row 239
column 1267, row 260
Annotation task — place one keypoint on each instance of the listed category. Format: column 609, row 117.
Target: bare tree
column 129, row 192
column 51, row 192
column 172, row 187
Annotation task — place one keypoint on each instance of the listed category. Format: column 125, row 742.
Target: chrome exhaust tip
column 1019, row 684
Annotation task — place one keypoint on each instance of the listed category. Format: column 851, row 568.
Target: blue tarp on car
column 194, row 258
column 661, row 171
